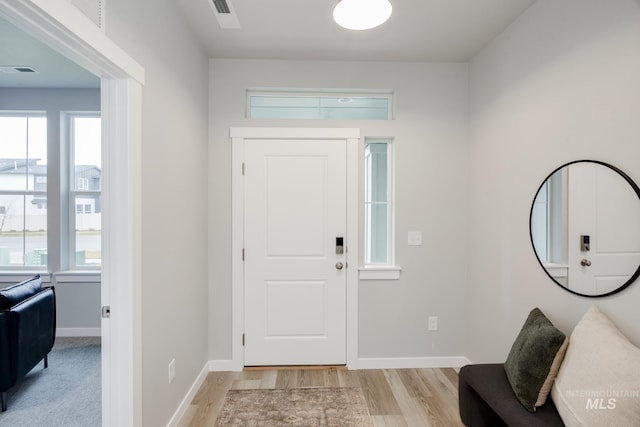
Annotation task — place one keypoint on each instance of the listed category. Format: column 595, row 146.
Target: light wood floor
column 395, row 397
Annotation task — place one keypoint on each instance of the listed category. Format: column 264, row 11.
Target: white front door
column 599, row 202
column 294, row 280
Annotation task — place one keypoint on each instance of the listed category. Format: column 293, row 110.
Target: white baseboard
column 221, row 365
column 412, row 362
column 377, row 363
column 78, row 332
column 184, row 405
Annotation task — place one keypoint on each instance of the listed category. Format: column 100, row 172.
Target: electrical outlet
column 433, row 323
column 172, row 370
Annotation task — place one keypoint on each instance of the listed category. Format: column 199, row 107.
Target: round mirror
column 585, row 228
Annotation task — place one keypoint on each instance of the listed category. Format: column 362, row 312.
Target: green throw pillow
column 534, row 360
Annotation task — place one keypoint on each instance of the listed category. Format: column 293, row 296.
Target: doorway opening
column 56, row 25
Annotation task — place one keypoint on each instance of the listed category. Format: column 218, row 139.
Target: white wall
column 431, row 195
column 174, row 181
column 561, row 84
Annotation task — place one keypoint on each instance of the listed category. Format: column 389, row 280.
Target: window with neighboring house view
column 86, row 224
column 23, row 190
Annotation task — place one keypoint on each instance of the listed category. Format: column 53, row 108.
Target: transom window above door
column 319, row 104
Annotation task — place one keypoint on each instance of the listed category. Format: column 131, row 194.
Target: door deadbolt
column 585, row 243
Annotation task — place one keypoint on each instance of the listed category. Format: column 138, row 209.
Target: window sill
column 78, row 276
column 13, row 277
column 382, row 272
column 557, row 270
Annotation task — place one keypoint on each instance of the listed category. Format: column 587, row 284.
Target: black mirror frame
column 635, row 188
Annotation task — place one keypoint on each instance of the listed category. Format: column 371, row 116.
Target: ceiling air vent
column 221, row 6
column 16, row 70
column 224, row 13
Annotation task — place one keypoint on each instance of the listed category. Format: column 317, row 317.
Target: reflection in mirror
column 585, row 228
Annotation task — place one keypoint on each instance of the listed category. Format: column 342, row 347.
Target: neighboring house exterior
column 23, row 208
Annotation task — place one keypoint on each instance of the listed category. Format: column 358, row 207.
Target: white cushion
column 598, row 383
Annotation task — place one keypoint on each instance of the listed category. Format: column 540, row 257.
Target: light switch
column 415, row 238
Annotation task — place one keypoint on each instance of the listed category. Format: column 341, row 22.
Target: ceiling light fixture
column 362, row 14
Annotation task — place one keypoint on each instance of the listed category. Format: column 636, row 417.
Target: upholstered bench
column 596, row 383
column 486, row 399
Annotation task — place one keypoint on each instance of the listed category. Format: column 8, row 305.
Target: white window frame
column 540, row 227
column 75, row 193
column 65, row 217
column 550, row 201
column 389, row 270
column 320, row 93
column 25, row 193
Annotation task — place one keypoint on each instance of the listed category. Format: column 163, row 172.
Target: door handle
column 585, row 263
column 339, row 265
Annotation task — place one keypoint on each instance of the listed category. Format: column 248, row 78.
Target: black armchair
column 27, row 330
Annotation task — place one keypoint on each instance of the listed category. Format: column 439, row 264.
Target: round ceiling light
column 362, row 14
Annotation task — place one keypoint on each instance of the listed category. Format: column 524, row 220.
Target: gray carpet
column 67, row 393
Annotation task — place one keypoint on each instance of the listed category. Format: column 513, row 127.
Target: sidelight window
column 378, row 203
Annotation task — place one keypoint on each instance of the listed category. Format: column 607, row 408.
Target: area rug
column 306, row 407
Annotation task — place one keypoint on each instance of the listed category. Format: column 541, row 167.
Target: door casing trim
column 238, row 136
